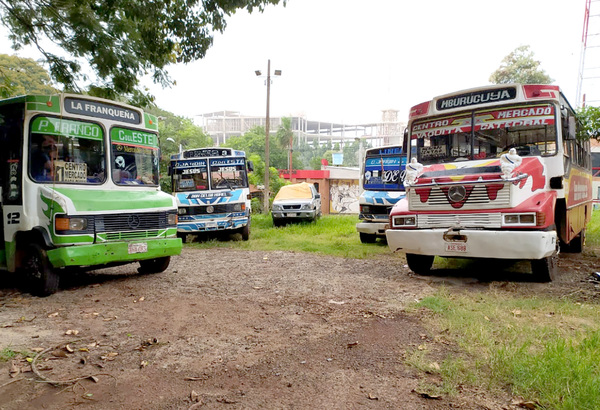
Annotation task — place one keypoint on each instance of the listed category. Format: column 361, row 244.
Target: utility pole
column 267, row 124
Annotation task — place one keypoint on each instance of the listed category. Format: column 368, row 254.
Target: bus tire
column 368, row 237
column 246, row 232
column 182, row 236
column 156, row 265
column 420, row 264
column 576, row 244
column 545, row 269
column 41, row 278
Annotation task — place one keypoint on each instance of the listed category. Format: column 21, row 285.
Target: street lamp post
column 267, row 124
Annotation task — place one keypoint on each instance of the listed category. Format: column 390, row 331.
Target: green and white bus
column 79, row 188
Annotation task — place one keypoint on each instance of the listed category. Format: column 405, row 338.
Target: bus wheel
column 576, row 244
column 245, row 231
column 545, row 269
column 154, row 265
column 420, row 264
column 182, row 236
column 368, row 237
column 43, row 280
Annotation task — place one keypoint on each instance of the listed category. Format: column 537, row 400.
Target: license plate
column 211, row 225
column 292, row 214
column 137, row 247
column 456, row 247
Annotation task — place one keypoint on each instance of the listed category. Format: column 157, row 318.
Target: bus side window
column 11, row 155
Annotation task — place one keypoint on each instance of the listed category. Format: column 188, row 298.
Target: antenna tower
column 588, row 81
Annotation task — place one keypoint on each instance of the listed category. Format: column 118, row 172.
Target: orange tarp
column 295, row 191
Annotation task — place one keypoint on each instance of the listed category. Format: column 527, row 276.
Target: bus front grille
column 479, row 196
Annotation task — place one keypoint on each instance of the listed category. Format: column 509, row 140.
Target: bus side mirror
column 571, row 129
column 250, row 166
column 170, row 170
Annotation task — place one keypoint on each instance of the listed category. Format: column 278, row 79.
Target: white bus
column 497, row 172
column 79, row 188
column 382, row 174
column 212, row 191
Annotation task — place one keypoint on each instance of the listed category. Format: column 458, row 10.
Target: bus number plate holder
column 141, row 247
column 456, row 247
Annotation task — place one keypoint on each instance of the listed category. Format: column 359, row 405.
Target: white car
column 296, row 202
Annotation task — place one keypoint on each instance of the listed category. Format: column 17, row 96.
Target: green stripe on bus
column 86, row 200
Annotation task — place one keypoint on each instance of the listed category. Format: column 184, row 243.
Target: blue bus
column 212, row 191
column 382, row 176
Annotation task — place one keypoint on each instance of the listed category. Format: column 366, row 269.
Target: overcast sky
column 347, row 60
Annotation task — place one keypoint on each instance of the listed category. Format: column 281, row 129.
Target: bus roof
column 487, row 96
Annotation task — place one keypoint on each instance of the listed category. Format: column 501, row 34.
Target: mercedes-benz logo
column 210, row 209
column 133, row 221
column 457, row 193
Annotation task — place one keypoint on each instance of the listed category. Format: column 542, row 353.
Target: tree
column 183, row 132
column 589, row 118
column 252, row 142
column 520, row 67
column 20, row 76
column 121, row 40
column 285, row 142
column 257, row 178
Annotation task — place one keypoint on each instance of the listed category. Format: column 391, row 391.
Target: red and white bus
column 494, row 172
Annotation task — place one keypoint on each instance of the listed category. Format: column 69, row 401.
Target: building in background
column 222, row 125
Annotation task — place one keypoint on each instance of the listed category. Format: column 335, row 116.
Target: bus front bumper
column 113, row 252
column 203, row 225
column 465, row 243
column 372, row 228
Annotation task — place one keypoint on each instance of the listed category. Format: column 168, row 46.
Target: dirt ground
column 230, row 329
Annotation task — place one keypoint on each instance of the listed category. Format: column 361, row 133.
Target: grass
column 540, row 348
column 7, row 354
column 333, row 235
column 593, row 230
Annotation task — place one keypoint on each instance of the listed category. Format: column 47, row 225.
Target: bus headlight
column 404, row 220
column 65, row 223
column 182, row 211
column 527, row 219
column 172, row 219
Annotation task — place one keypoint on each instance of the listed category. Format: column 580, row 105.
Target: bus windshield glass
column 228, row 173
column 383, row 170
column 135, row 157
column 190, row 175
column 66, row 151
column 530, row 129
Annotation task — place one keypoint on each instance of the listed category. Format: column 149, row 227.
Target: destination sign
column 226, row 162
column 67, row 128
column 476, row 98
column 207, row 152
column 134, row 137
column 385, row 151
column 198, row 163
column 101, row 110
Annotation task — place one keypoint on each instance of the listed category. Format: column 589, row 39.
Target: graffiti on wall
column 343, row 196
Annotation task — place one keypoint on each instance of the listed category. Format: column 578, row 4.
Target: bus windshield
column 66, row 151
column 135, row 157
column 190, row 175
column 530, row 129
column 383, row 170
column 228, row 173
